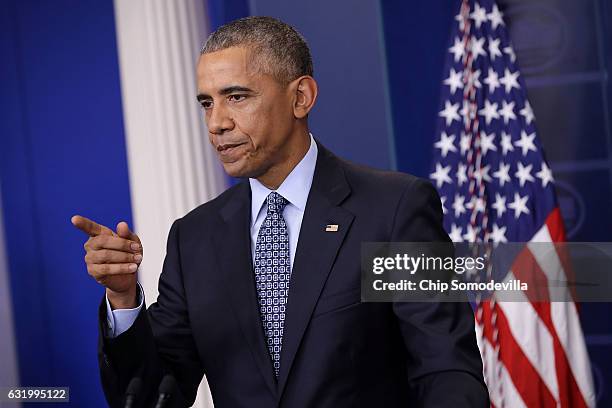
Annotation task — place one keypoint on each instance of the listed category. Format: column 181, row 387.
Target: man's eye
column 206, row 104
column 236, row 98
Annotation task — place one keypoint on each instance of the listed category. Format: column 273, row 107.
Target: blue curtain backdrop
column 62, row 152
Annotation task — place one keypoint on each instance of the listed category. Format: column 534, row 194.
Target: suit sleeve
column 159, row 342
column 444, row 363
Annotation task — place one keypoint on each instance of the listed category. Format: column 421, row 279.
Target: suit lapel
column 234, row 252
column 315, row 255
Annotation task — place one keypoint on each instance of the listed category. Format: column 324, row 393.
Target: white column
column 172, row 167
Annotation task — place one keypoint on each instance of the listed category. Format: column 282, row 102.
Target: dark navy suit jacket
column 337, row 351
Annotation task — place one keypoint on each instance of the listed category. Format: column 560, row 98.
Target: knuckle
column 94, row 242
column 91, row 270
column 103, row 255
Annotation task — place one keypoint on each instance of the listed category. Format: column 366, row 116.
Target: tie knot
column 276, row 202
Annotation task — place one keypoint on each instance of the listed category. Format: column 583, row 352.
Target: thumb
column 123, row 230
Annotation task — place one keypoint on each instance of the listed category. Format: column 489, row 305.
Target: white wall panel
column 172, row 167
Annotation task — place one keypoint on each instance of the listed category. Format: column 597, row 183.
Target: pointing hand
column 112, row 259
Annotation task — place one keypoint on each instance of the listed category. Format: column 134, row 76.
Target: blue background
column 379, row 64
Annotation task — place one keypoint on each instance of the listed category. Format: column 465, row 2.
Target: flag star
column 473, row 79
column 450, row 112
column 441, row 175
column 446, row 144
column 442, row 201
column 510, row 80
column 458, row 205
column 510, row 51
column 471, row 233
column 455, row 234
column 461, row 174
column 526, row 142
column 527, row 112
column 506, row 143
column 479, row 15
column 454, row 80
column 476, row 204
column 465, row 142
column 482, row 174
column 499, row 205
column 502, row 173
column 489, row 111
column 507, row 111
column 524, row 173
column 492, row 80
column 496, row 17
column 458, row 49
column 494, row 48
column 545, row 175
column 486, row 143
column 477, row 47
column 498, row 234
column 519, row 205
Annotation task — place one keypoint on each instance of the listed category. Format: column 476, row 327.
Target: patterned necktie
column 272, row 274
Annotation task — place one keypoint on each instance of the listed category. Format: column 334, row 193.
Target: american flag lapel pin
column 331, row 228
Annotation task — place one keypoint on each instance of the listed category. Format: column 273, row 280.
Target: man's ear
column 306, row 91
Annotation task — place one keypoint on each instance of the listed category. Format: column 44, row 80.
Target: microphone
column 166, row 388
column 132, row 391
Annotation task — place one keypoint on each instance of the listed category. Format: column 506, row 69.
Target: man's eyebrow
column 234, row 88
column 225, row 91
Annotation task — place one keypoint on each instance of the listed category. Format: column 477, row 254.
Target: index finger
column 91, row 228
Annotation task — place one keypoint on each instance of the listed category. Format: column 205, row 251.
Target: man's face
column 249, row 114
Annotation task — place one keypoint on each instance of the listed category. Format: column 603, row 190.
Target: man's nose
column 219, row 121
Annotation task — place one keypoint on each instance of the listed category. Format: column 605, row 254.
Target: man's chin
column 238, row 170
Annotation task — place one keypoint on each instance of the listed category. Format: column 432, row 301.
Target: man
column 260, row 288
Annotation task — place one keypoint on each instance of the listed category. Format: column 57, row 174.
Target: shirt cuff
column 120, row 320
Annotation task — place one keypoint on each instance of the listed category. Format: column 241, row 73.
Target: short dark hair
column 277, row 48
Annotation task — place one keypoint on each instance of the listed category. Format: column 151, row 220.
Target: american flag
column 496, row 186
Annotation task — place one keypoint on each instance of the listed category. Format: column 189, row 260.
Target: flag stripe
column 510, row 396
column 562, row 317
column 569, row 394
column 533, row 338
column 525, row 377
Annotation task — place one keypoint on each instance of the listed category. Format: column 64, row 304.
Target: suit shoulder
column 386, row 181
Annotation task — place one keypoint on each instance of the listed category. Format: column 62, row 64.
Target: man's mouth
column 230, row 152
column 228, row 146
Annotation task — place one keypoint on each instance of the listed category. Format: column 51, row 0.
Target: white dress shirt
column 294, row 188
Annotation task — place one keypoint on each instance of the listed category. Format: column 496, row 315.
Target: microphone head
column 134, row 386
column 167, row 385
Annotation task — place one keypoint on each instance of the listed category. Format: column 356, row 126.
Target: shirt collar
column 294, row 188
